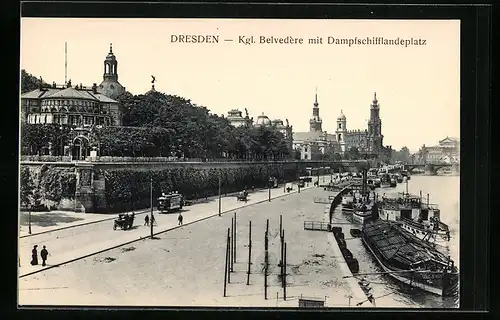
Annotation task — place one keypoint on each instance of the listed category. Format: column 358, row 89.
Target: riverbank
column 184, row 267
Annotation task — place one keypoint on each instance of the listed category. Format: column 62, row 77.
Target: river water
column 443, row 191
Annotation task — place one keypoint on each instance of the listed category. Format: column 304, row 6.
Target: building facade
column 315, row 143
column 236, row 119
column 83, row 108
column 447, row 151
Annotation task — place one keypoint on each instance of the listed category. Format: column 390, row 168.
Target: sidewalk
column 103, row 238
column 57, row 220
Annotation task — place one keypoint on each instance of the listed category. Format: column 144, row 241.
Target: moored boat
column 416, row 217
column 409, row 259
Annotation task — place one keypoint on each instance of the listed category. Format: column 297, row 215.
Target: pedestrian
column 153, row 221
column 34, row 256
column 44, row 253
column 180, row 219
column 146, row 220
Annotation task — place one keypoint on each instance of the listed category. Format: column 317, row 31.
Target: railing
column 316, row 225
column 46, row 158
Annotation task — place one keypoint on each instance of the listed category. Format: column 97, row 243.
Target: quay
column 184, row 266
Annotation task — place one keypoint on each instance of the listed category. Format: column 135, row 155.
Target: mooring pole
column 234, row 237
column 232, row 244
column 284, row 274
column 226, row 262
column 281, row 223
column 265, row 265
column 220, row 195
column 282, row 258
column 427, row 199
column 249, row 250
column 228, row 256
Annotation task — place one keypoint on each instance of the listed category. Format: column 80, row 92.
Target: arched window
column 340, row 125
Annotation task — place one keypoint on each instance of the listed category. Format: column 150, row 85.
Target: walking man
column 153, row 221
column 44, row 253
column 34, row 256
column 180, row 219
column 146, row 220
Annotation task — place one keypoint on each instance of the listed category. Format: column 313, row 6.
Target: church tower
column 110, row 86
column 375, row 137
column 315, row 123
column 341, row 131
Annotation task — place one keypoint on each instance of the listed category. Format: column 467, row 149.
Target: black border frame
column 475, row 105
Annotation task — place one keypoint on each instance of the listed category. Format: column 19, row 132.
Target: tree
column 26, row 187
column 29, row 82
column 352, row 154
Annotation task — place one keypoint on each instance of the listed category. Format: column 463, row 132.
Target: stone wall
column 96, row 191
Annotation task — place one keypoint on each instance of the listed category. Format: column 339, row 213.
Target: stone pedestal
column 84, row 195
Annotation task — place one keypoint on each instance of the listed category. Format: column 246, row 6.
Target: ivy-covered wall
column 56, row 185
column 130, row 189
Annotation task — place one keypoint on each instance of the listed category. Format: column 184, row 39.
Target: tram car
column 170, row 202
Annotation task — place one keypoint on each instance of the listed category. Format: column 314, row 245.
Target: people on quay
column 34, row 256
column 146, row 220
column 179, row 218
column 153, row 221
column 44, row 253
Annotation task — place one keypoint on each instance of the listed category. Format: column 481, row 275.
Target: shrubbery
column 130, row 189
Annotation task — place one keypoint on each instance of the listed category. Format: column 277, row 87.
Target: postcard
column 239, row 163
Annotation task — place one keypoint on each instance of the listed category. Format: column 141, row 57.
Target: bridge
column 432, row 168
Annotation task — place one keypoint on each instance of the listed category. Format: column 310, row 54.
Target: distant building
column 236, row 119
column 447, row 151
column 315, row 143
column 78, row 106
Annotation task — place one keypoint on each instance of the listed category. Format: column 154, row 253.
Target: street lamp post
column 270, row 181
column 220, row 194
column 151, row 204
column 29, row 221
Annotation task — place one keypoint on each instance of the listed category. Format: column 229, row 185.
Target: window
column 305, row 156
column 305, row 149
column 340, row 125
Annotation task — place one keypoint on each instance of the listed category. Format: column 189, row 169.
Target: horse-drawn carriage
column 242, row 196
column 124, row 221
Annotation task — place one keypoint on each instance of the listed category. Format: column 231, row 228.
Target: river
column 443, row 191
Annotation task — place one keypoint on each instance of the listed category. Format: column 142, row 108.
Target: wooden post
column 281, row 223
column 265, row 265
column 229, row 256
column 249, row 251
column 284, row 273
column 226, row 263
column 232, row 244
column 282, row 258
column 234, row 237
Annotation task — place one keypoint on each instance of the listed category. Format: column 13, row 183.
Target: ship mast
column 65, row 62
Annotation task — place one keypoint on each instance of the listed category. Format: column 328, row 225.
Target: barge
column 408, row 259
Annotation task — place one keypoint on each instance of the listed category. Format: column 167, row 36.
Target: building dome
column 341, row 116
column 263, row 120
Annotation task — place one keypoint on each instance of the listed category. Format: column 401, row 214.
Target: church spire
column 316, row 98
column 110, row 48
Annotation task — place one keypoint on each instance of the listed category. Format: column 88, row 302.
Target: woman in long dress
column 34, row 256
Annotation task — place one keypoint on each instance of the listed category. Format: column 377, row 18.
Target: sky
column 418, row 87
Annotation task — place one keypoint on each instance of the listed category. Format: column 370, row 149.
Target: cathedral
column 81, row 107
column 315, row 143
